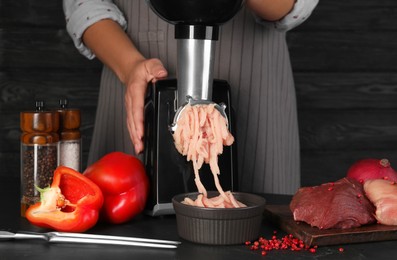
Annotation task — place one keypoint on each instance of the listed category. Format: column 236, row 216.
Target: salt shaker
column 39, row 152
column 70, row 136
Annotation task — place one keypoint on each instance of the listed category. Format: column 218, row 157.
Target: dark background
column 344, row 59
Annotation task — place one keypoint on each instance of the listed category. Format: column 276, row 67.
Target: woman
column 137, row 47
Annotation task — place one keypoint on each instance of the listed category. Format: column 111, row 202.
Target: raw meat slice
column 201, row 134
column 340, row 205
column 383, row 194
column 215, row 202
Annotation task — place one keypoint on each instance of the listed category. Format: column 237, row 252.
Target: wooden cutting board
column 282, row 217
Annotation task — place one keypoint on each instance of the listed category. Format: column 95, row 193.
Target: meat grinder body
column 169, row 172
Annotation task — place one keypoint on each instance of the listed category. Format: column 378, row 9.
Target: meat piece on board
column 383, row 194
column 341, row 204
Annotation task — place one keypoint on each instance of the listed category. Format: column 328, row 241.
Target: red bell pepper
column 71, row 204
column 124, row 183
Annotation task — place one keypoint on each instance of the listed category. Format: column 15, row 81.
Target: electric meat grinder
column 196, row 32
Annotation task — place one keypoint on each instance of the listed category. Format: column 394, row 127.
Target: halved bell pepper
column 71, row 204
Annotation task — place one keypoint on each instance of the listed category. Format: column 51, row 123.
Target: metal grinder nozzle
column 193, row 102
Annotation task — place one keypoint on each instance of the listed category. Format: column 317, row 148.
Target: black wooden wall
column 345, row 64
column 344, row 59
column 38, row 61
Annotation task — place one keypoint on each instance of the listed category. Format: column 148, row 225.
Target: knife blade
column 65, row 237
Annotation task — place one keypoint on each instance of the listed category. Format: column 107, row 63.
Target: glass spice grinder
column 70, row 144
column 39, row 152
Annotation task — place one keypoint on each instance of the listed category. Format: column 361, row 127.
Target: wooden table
column 161, row 228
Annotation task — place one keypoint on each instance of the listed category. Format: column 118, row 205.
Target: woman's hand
column 113, row 47
column 136, row 82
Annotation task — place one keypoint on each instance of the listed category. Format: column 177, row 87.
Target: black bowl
column 196, row 12
column 219, row 226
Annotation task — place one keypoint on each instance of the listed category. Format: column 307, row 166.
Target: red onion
column 367, row 169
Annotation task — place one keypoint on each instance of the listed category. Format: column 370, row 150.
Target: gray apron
column 254, row 59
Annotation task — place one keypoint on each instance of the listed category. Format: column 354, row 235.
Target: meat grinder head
column 196, row 31
column 196, row 12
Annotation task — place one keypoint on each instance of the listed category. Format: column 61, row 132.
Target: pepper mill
column 39, row 152
column 70, row 137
